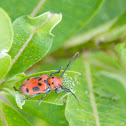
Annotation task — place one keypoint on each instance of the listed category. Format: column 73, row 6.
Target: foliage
column 34, row 41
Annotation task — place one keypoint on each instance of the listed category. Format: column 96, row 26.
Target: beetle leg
column 32, row 96
column 44, row 96
column 58, row 91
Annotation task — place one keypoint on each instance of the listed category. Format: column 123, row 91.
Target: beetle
column 36, row 85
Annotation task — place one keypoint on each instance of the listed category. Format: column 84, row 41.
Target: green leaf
column 6, row 32
column 69, row 79
column 11, row 116
column 5, row 61
column 13, row 82
column 52, row 114
column 92, row 109
column 121, row 52
column 6, row 39
column 46, row 114
column 71, row 23
column 116, row 32
column 106, row 15
column 109, row 71
column 18, row 8
column 86, row 23
column 32, row 40
column 18, row 97
column 114, row 83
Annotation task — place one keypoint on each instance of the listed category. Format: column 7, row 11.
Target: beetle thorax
column 55, row 82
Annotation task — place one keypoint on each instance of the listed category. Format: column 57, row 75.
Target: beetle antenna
column 68, row 90
column 77, row 53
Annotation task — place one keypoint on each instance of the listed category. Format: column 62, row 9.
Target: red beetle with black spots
column 44, row 83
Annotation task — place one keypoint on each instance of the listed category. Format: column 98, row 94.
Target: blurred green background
column 96, row 29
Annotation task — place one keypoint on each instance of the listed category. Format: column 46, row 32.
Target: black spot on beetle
column 27, row 90
column 39, row 79
column 36, row 77
column 52, row 83
column 49, row 84
column 39, row 84
column 35, row 89
column 28, row 79
column 52, row 77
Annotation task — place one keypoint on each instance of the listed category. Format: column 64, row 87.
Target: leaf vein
column 90, row 85
column 37, row 8
column 27, row 41
column 3, row 117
